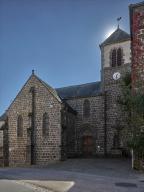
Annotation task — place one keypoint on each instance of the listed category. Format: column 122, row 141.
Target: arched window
column 119, row 57
column 45, row 126
column 19, row 126
column 86, row 108
column 116, row 57
column 113, row 58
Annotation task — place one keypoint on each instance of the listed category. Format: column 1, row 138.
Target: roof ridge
column 78, row 85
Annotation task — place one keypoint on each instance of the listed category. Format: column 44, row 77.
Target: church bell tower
column 115, row 62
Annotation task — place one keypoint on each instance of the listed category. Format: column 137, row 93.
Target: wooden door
column 87, row 145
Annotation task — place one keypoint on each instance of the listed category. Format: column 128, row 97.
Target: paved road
column 12, row 186
column 80, row 175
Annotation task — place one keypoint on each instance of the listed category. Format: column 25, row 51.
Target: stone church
column 44, row 124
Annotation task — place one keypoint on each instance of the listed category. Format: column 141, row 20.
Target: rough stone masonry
column 137, row 46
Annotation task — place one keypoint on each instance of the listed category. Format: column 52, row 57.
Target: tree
column 132, row 103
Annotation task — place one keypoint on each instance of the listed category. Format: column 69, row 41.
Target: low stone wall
column 139, row 161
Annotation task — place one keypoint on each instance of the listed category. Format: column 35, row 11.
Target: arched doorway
column 87, row 140
column 87, row 145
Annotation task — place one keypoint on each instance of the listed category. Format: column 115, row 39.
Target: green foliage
column 137, row 143
column 133, row 105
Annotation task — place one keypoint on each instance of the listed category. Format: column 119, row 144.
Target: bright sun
column 109, row 32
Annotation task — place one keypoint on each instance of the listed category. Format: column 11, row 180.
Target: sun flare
column 109, row 32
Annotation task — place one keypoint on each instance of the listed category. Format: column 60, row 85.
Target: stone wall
column 68, row 117
column 71, row 135
column 115, row 117
column 46, row 148
column 89, row 126
column 1, row 148
column 1, row 138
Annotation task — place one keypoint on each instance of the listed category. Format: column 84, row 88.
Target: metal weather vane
column 118, row 20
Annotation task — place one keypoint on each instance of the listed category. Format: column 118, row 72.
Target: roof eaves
column 120, row 41
column 80, row 97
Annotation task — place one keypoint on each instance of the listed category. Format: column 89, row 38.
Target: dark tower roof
column 117, row 36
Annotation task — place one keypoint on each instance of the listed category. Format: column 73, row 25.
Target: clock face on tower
column 116, row 76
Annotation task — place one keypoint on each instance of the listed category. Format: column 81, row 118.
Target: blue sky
column 58, row 38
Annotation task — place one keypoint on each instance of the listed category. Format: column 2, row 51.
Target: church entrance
column 87, row 145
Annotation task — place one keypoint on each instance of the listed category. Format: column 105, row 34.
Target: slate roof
column 117, row 36
column 3, row 117
column 2, row 121
column 84, row 90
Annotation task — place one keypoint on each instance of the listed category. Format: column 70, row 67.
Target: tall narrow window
column 113, row 58
column 86, row 108
column 45, row 128
column 116, row 57
column 19, row 126
column 119, row 57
